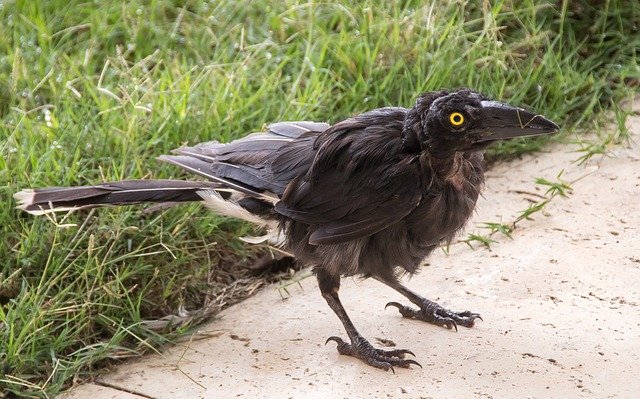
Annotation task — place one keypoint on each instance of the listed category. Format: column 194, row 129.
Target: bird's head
column 464, row 120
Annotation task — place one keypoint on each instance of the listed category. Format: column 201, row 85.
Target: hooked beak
column 500, row 121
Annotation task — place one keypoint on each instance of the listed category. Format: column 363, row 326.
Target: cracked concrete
column 560, row 302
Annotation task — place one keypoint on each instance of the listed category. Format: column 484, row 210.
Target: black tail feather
column 56, row 199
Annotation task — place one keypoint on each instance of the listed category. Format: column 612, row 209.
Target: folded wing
column 358, row 182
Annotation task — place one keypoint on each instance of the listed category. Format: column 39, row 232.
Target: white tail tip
column 25, row 199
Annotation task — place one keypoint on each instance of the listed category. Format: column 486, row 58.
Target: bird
column 371, row 195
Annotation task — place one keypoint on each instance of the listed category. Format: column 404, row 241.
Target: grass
column 558, row 188
column 95, row 90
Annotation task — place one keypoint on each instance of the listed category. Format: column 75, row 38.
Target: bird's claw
column 378, row 358
column 338, row 340
column 433, row 313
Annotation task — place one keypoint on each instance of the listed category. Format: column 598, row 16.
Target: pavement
column 560, row 303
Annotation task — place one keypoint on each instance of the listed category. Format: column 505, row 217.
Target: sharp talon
column 379, row 358
column 479, row 317
column 449, row 323
column 408, row 352
column 433, row 313
column 338, row 340
column 395, row 304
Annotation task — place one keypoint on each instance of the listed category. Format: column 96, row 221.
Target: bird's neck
column 462, row 171
column 445, row 167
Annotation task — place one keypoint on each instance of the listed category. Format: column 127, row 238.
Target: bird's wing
column 357, row 184
column 254, row 149
column 244, row 164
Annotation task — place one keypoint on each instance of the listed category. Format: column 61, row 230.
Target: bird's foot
column 433, row 313
column 378, row 358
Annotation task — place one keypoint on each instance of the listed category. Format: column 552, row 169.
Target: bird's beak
column 501, row 121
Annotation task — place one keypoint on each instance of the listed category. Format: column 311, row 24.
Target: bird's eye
column 456, row 118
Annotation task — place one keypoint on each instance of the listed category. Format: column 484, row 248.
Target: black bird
column 371, row 195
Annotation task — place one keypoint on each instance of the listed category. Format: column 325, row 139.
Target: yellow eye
column 456, row 118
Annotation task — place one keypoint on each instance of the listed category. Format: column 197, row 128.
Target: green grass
column 95, row 90
column 558, row 188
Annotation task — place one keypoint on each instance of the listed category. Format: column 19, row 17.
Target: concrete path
column 560, row 302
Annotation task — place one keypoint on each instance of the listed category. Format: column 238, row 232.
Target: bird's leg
column 359, row 347
column 430, row 311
